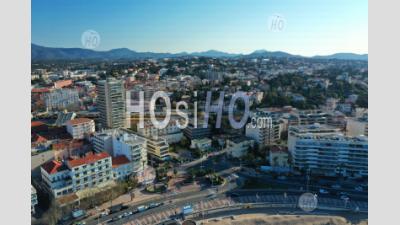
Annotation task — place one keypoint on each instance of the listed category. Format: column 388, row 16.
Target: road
column 208, row 200
column 275, row 203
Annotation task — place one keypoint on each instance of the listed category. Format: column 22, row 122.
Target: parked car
column 142, row 208
column 154, row 205
column 359, row 188
column 126, row 214
column 323, row 191
column 344, row 198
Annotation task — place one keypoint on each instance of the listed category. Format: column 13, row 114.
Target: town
column 105, row 150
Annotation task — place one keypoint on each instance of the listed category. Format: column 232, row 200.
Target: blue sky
column 312, row 27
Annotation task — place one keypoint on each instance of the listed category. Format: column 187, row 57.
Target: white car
column 344, row 198
column 359, row 188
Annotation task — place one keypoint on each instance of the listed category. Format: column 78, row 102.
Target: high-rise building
column 111, row 103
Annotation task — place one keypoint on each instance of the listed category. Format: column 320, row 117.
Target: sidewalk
column 142, row 197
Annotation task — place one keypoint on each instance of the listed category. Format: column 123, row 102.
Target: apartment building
column 158, row 149
column 66, row 177
column 80, row 128
column 122, row 167
column 90, row 170
column 264, row 129
column 111, row 103
column 297, row 131
column 238, row 146
column 122, row 142
column 61, row 99
column 331, row 155
column 34, row 199
column 192, row 132
column 171, row 132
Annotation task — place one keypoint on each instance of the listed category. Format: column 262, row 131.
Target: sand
column 258, row 219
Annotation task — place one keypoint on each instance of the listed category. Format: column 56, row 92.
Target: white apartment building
column 119, row 142
column 90, row 170
column 263, row 129
column 80, row 128
column 61, row 99
column 296, row 131
column 66, row 177
column 331, row 155
column 34, row 200
column 238, row 147
column 171, row 132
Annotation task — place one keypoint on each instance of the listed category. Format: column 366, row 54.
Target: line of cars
column 139, row 209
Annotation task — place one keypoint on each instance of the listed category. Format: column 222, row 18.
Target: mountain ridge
column 51, row 53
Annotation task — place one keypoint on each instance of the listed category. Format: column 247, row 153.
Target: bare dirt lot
column 258, row 219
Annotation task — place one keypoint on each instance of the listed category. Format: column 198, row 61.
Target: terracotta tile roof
column 40, row 90
column 38, row 139
column 37, row 123
column 53, row 167
column 119, row 160
column 72, row 144
column 89, row 158
column 79, row 121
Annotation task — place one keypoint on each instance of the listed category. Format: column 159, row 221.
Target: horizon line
column 99, row 50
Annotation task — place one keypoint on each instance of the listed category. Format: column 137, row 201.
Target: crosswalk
column 216, row 203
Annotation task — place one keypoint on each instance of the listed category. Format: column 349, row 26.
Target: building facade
column 66, row 177
column 171, row 132
column 34, row 200
column 238, row 147
column 191, row 132
column 264, row 133
column 111, row 103
column 61, row 99
column 121, row 142
column 158, row 149
column 332, row 155
column 297, row 131
column 80, row 128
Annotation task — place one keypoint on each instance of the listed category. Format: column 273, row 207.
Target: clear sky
column 312, row 27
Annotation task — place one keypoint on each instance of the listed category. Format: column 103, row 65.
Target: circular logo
column 276, row 23
column 308, row 202
column 90, row 39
